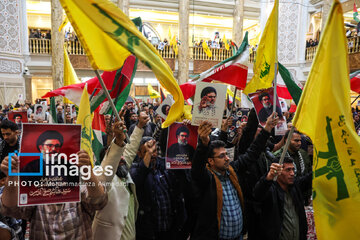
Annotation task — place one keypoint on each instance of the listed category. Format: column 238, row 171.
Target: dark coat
column 206, row 226
column 272, row 199
column 143, row 178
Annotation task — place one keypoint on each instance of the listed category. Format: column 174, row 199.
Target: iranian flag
column 355, row 13
column 98, row 126
column 287, row 86
column 115, row 82
column 232, row 71
column 355, row 81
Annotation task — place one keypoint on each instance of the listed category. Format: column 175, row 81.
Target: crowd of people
column 220, row 197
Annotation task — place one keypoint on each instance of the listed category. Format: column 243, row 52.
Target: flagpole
column 276, row 58
column 275, row 85
column 110, row 101
column 355, row 100
column 285, row 149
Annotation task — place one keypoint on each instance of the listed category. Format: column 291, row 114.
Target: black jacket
column 271, row 196
column 143, row 178
column 206, row 226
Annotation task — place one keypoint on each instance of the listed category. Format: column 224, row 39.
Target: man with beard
column 267, row 109
column 207, row 104
column 9, row 132
column 161, row 203
column 181, row 150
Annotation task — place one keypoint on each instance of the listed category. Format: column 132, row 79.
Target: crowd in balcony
column 40, row 34
column 311, row 43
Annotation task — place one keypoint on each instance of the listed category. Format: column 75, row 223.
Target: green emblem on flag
column 333, row 167
column 265, row 69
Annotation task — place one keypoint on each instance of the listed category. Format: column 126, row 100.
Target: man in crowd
column 282, row 203
column 149, row 128
column 267, row 109
column 301, row 158
column 122, row 208
column 10, row 134
column 182, row 149
column 221, row 201
column 161, row 204
column 60, row 114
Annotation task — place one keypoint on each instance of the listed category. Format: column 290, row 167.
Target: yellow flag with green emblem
column 323, row 113
column 109, row 37
column 227, row 47
column 84, row 118
column 206, row 49
column 70, row 76
column 266, row 56
column 152, row 92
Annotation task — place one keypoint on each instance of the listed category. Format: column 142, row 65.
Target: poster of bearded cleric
column 263, row 103
column 18, row 117
column 209, row 103
column 182, row 140
column 48, row 164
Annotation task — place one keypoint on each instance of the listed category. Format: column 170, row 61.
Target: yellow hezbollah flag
column 324, row 115
column 206, row 49
column 109, row 37
column 227, row 47
column 169, row 34
column 84, row 118
column 228, row 91
column 152, row 92
column 70, row 76
column 63, row 24
column 266, row 56
column 173, row 44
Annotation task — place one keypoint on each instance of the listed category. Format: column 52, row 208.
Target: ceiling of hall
column 211, row 7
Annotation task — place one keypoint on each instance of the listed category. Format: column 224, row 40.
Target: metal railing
column 43, row 46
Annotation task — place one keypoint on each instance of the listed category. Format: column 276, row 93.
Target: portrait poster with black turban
column 181, row 145
column 209, row 103
column 48, row 164
column 18, row 117
column 263, row 103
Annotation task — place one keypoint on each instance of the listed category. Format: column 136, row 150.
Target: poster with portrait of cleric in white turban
column 164, row 107
column 209, row 103
column 48, row 164
column 40, row 111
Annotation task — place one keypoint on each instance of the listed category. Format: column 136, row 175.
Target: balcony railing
column 39, row 46
column 353, row 47
column 43, row 46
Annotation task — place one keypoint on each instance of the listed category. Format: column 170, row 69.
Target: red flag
column 188, row 89
column 355, row 83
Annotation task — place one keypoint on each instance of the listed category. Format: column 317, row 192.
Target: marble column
column 57, row 44
column 325, row 12
column 124, row 6
column 183, row 55
column 28, row 87
column 238, row 20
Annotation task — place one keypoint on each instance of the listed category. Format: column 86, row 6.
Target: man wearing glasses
column 220, row 199
column 267, row 109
